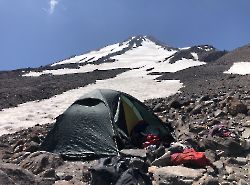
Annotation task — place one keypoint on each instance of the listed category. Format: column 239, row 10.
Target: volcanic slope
column 142, row 54
column 228, row 73
column 124, row 66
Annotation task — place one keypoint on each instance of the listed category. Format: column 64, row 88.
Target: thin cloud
column 52, row 6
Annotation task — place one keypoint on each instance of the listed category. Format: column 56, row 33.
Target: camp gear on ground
column 153, row 152
column 190, row 157
column 151, row 148
column 151, row 139
column 119, row 171
column 139, row 134
column 222, row 131
column 100, row 124
column 177, row 147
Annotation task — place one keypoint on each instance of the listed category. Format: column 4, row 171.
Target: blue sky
column 35, row 33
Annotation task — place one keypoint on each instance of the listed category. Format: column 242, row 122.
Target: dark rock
column 63, row 182
column 197, row 109
column 175, row 104
column 17, row 174
column 228, row 145
column 213, row 122
column 40, row 161
column 86, row 176
column 18, row 157
column 238, row 160
column 46, row 181
column 31, row 147
column 5, row 152
column 207, row 180
column 152, row 155
column 5, row 179
column 157, row 108
column 50, row 173
column 35, row 138
column 67, row 177
column 235, row 106
column 133, row 176
column 18, row 143
column 211, row 181
column 139, row 164
column 204, row 98
column 196, row 128
column 18, row 149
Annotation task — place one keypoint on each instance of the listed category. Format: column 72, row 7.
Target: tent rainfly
column 96, row 124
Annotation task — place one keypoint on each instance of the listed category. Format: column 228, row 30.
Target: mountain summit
column 135, row 52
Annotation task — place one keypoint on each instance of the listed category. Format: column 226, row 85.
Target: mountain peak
column 136, row 41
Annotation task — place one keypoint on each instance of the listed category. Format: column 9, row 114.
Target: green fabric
column 94, row 124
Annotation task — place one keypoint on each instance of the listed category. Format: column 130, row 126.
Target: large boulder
column 177, row 175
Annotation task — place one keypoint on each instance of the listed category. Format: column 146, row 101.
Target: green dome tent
column 95, row 125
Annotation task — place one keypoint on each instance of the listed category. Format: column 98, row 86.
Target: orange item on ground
column 191, row 158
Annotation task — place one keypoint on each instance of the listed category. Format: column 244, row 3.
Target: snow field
column 242, row 68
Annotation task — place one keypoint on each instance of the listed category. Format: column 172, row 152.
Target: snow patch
column 195, row 55
column 95, row 55
column 185, row 48
column 242, row 68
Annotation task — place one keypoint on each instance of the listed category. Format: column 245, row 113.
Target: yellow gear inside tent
column 132, row 115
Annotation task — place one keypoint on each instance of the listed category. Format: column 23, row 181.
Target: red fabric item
column 190, row 157
column 151, row 140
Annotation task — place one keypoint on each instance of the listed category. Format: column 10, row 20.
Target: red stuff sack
column 190, row 157
column 151, row 140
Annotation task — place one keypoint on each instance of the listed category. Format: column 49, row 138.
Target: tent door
column 132, row 115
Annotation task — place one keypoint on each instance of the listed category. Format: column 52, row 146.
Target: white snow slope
column 242, row 68
column 148, row 55
column 136, row 82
